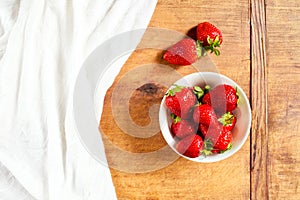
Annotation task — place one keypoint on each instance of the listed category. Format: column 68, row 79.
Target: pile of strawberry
column 203, row 118
column 188, row 50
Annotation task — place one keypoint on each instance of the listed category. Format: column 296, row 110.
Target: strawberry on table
column 181, row 128
column 223, row 98
column 180, row 100
column 190, row 146
column 184, row 52
column 209, row 36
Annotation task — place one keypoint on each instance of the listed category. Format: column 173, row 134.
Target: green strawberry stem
column 174, row 90
column 197, row 104
column 228, row 148
column 213, row 44
column 206, row 89
column 226, row 119
column 175, row 118
column 208, row 147
column 198, row 91
column 200, row 49
column 205, row 152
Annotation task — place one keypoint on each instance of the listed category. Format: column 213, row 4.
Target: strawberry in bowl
column 209, row 118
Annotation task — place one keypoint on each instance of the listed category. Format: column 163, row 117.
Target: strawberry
column 223, row 140
column 223, row 98
column 228, row 120
column 181, row 128
column 190, row 146
column 184, row 52
column 210, row 36
column 204, row 114
column 205, row 130
column 180, row 100
column 220, row 138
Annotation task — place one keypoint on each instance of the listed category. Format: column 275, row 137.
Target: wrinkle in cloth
column 43, row 44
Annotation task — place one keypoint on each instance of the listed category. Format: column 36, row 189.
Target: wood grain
column 259, row 133
column 184, row 179
column 283, row 21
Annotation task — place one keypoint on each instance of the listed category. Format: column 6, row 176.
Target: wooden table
column 261, row 53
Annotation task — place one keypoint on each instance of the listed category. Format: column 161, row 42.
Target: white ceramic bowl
column 243, row 114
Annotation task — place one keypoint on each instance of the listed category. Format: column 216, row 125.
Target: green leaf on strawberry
column 175, row 118
column 198, row 91
column 174, row 90
column 226, row 119
column 228, row 148
column 200, row 49
column 206, row 88
column 207, row 148
column 213, row 44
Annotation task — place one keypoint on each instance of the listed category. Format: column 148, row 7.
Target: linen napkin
column 43, row 44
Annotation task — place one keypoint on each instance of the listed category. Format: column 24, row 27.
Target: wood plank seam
column 259, row 132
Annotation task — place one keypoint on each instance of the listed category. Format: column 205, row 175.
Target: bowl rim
column 165, row 129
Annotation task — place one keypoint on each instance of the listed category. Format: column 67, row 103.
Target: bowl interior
column 243, row 114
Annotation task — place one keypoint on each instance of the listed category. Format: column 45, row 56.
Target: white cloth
column 43, row 44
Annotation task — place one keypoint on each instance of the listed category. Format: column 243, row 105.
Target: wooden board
column 182, row 179
column 271, row 78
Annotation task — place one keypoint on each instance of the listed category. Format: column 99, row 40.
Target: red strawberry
column 220, row 138
column 180, row 100
column 223, row 141
column 190, row 146
column 210, row 36
column 228, row 120
column 204, row 114
column 203, row 129
column 182, row 128
column 223, row 98
column 184, row 52
column 206, row 130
